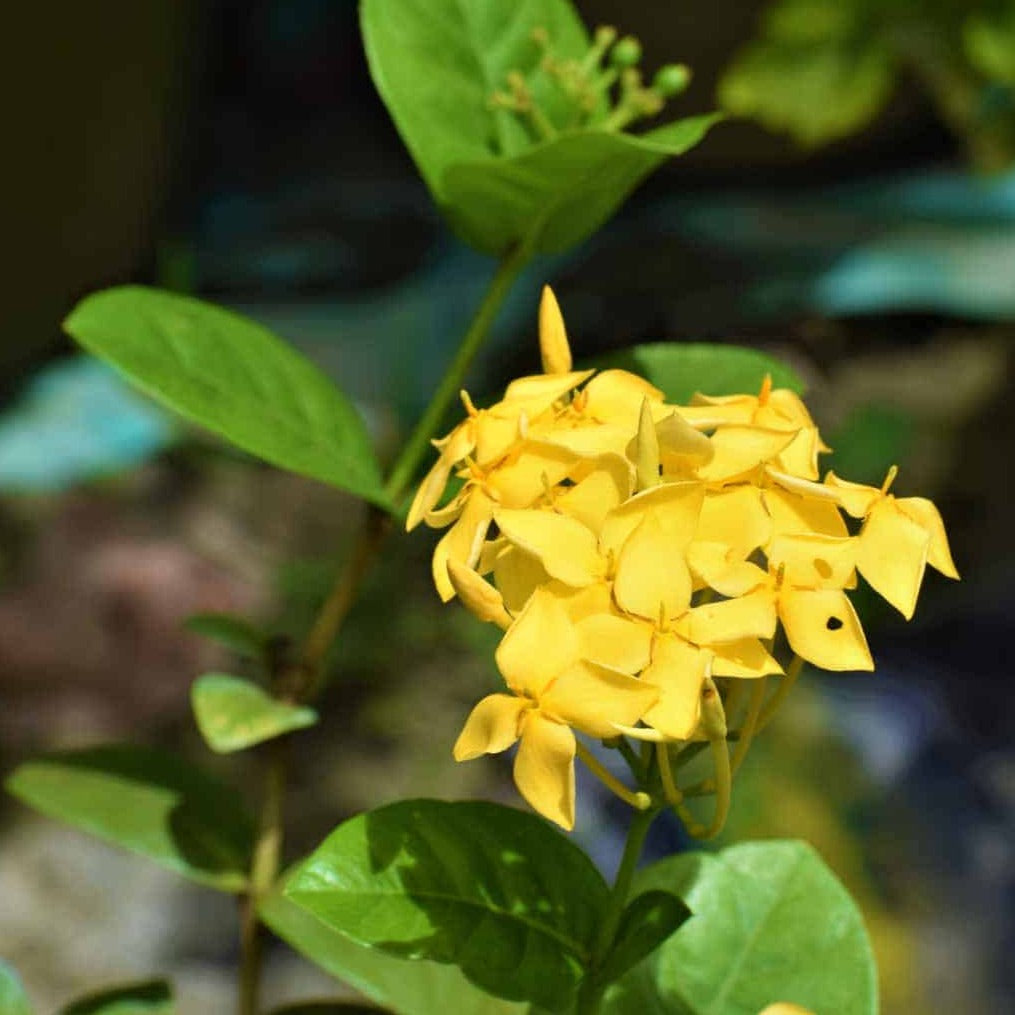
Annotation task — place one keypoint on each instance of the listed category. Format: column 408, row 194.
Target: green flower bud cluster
column 604, row 89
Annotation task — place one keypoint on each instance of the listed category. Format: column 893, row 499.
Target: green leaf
column 227, row 629
column 233, row 714
column 646, row 923
column 326, row 1008
column 558, row 193
column 681, row 369
column 147, row 801
column 13, row 999
column 814, row 73
column 989, row 38
column 436, row 63
column 151, row 998
column 771, row 923
column 499, row 893
column 234, row 377
column 870, row 440
column 414, row 987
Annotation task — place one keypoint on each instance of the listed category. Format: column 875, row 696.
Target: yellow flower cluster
column 638, row 550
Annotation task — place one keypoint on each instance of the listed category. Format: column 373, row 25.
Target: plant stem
column 263, row 872
column 404, row 469
column 591, row 993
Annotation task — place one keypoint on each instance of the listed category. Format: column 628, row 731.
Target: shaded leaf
column 13, row 999
column 415, row 987
column 234, row 377
column 147, row 801
column 233, row 714
column 227, row 629
column 771, row 923
column 681, row 369
column 989, row 38
column 556, row 194
column 152, row 998
column 647, row 922
column 495, row 891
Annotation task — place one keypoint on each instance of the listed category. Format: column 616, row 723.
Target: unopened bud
column 626, row 53
column 713, row 715
column 647, row 450
column 671, row 79
column 553, row 344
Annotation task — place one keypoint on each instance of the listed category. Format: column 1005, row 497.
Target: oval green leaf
column 509, row 900
column 147, row 801
column 13, row 999
column 771, row 923
column 234, row 714
column 682, row 369
column 231, row 375
column 646, row 923
column 556, row 194
column 154, row 997
column 235, row 633
column 406, row 987
column 437, row 62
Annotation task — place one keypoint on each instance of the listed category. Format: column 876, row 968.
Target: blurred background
column 860, row 222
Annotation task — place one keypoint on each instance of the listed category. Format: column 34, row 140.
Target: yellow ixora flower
column 552, row 690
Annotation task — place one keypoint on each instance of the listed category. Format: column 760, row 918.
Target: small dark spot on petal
column 833, row 624
column 823, row 568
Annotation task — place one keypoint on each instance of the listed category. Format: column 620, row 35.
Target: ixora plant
column 657, row 543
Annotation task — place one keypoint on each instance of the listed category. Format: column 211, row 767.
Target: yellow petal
column 494, row 437
column 652, row 577
column 735, row 516
column 543, row 388
column 517, row 575
column 804, row 487
column 800, row 456
column 676, row 506
column 709, row 414
column 739, row 450
column 892, row 555
column 525, row 475
column 541, row 644
column 678, row 670
column 750, row 616
column 815, row 562
column 584, row 602
column 587, row 440
column 794, row 515
column 745, row 659
column 926, row 515
column 462, row 542
column 492, row 726
column 615, row 396
column 681, row 447
column 785, row 405
column 567, row 549
column 544, row 768
column 724, row 569
column 478, row 596
column 598, row 493
column 617, row 642
column 785, row 1008
column 430, row 491
column 856, row 498
column 823, row 628
column 442, row 517
column 553, row 346
column 592, row 698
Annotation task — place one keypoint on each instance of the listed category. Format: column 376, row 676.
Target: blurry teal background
column 238, row 151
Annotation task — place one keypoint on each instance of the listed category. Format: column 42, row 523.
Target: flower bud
column 478, row 596
column 671, row 79
column 553, row 346
column 626, row 53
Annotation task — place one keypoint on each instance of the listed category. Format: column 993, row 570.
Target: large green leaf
column 437, row 62
column 556, row 194
column 406, row 987
column 989, row 38
column 234, row 377
column 233, row 714
column 147, row 801
column 771, row 923
column 681, row 369
column 13, row 999
column 647, row 921
column 151, row 998
column 499, row 893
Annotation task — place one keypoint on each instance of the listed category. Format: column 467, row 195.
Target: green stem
column 263, row 872
column 404, row 469
column 591, row 993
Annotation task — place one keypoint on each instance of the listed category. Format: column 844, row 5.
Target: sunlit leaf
column 233, row 714
column 147, row 801
column 234, row 377
column 13, row 999
column 499, row 893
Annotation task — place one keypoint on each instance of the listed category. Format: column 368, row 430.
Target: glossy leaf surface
column 499, row 893
column 233, row 714
column 231, row 375
column 147, row 801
